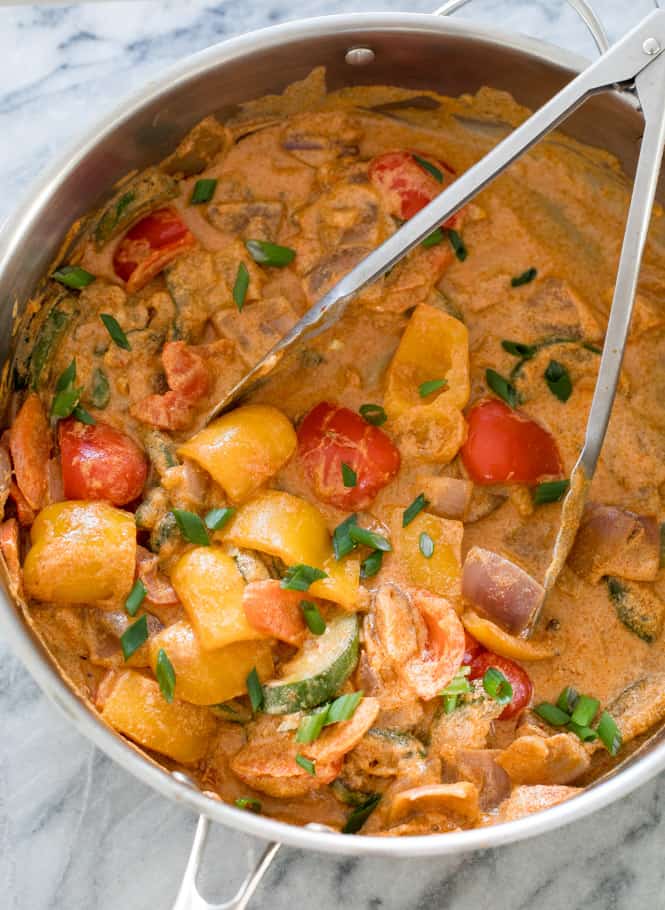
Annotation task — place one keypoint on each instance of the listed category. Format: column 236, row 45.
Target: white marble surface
column 76, row 832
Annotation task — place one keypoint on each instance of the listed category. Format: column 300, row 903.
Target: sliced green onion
column 134, row 636
column 552, row 714
column 497, row 686
column 431, row 386
column 459, row 684
column 370, row 566
column 558, row 380
column 191, row 527
column 204, row 190
column 266, row 253
column 135, row 597
column 450, row 703
column 586, row 734
column 254, row 690
column 217, row 518
column 585, row 710
column 568, row 699
column 300, row 577
column 592, row 347
column 101, row 391
column 359, row 816
column 433, row 239
column 349, row 476
column 517, row 349
column 426, row 545
column 373, row 413
column 311, row 725
column 525, row 278
column 73, row 276
column 609, row 733
column 342, row 543
column 114, row 330
column 248, row 803
column 502, row 387
column 84, row 416
column 240, row 286
column 305, row 763
column 343, row 708
column 366, row 538
column 416, row 507
column 66, row 378
column 165, row 675
column 312, row 615
column 550, row 491
column 430, row 168
column 457, row 244
column 65, row 402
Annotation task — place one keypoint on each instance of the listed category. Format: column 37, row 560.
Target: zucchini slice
column 318, row 671
column 637, row 606
column 146, row 192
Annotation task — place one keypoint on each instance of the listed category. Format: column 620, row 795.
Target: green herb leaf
column 301, row 576
column 266, row 253
column 73, row 276
column 568, row 699
column 502, row 387
column 311, row 725
column 240, row 286
column 372, row 565
column 165, row 675
column 115, row 331
column 315, row 622
column 135, row 597
column 431, row 386
column 249, row 803
column 558, row 380
column 433, row 239
column 343, row 708
column 342, row 542
column 429, row 168
column 81, row 414
column 66, row 378
column 457, row 244
column 550, row 491
column 552, row 714
column 373, row 413
column 65, row 402
column 305, row 763
column 426, row 545
column 586, row 734
column 416, row 507
column 525, row 278
column 216, row 519
column 134, row 636
column 517, row 349
column 204, row 190
column 366, row 538
column 359, row 816
column 191, row 527
column 349, row 476
column 254, row 690
column 585, row 710
column 609, row 733
column 497, row 686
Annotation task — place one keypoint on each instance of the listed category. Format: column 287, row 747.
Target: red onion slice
column 500, row 590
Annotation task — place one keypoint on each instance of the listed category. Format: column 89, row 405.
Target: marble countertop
column 77, row 832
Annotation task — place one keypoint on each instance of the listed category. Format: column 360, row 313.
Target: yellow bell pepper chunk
column 209, row 677
column 440, row 573
column 342, row 584
column 133, row 704
column 244, row 448
column 429, row 433
column 210, row 588
column 82, row 552
column 433, row 346
column 495, row 639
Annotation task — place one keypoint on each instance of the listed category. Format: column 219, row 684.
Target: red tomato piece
column 505, row 446
column 472, row 648
column 406, row 186
column 150, row 245
column 275, row 610
column 331, row 436
column 518, row 678
column 100, row 462
column 188, row 379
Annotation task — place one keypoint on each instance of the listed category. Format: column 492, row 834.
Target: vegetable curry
column 316, row 604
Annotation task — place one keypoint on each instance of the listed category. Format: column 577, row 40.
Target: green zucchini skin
column 164, row 532
column 41, row 337
column 161, row 451
column 318, row 671
column 637, row 607
column 139, row 196
column 100, row 392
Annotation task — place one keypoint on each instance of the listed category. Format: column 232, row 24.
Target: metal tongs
column 637, row 64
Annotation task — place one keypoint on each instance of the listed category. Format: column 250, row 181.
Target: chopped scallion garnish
column 191, row 527
column 254, row 690
column 433, row 239
column 525, row 278
column 311, row 725
column 240, row 286
column 248, row 803
column 585, row 710
column 373, row 413
column 370, row 566
column 552, row 714
column 217, row 518
column 457, row 244
column 349, row 476
column 497, row 686
column 204, row 190
column 518, row 349
column 67, row 395
column 73, row 276
column 359, row 816
column 429, row 168
column 134, row 636
column 114, row 330
column 609, row 733
column 558, row 380
column 312, row 615
column 568, row 699
column 67, row 377
column 550, row 491
column 342, row 543
column 307, row 764
column 366, row 538
column 416, row 507
column 343, row 708
column 135, row 597
column 165, row 675
column 266, row 253
column 301, row 576
column 586, row 734
column 84, row 416
column 431, row 386
column 502, row 387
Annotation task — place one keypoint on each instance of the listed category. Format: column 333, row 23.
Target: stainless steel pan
column 412, row 50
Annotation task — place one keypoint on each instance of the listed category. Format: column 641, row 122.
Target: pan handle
column 189, row 897
column 581, row 7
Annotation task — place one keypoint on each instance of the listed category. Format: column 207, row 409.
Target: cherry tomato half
column 330, row 437
column 100, row 462
column 505, row 446
column 472, row 648
column 517, row 677
column 406, row 186
column 150, row 245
